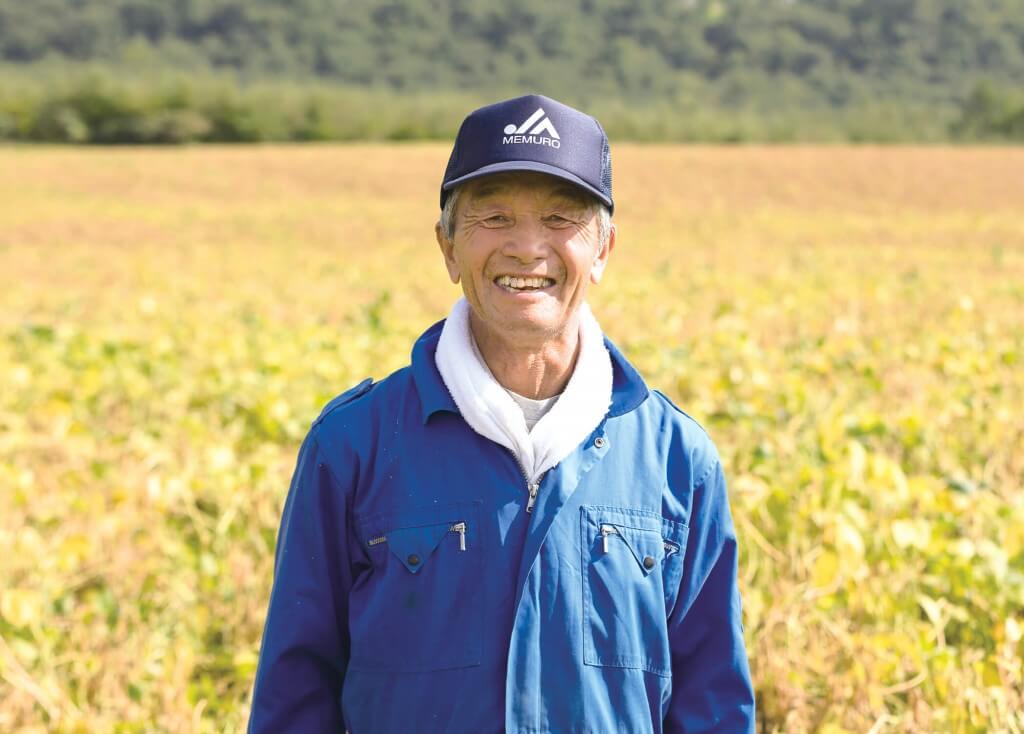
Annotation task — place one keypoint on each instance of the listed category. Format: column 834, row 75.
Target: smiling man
column 512, row 534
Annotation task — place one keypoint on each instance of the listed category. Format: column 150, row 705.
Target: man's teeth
column 520, row 283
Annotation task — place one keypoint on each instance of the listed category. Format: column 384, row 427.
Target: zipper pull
column 532, row 489
column 460, row 528
column 607, row 530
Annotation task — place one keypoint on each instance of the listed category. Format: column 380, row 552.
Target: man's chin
column 529, row 325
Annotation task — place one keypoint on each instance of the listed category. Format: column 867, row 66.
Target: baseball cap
column 532, row 133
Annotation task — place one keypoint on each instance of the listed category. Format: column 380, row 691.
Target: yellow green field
column 847, row 323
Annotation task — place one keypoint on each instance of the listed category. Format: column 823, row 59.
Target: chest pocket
column 420, row 608
column 632, row 565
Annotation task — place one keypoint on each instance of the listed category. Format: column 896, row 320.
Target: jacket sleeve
column 711, row 686
column 305, row 646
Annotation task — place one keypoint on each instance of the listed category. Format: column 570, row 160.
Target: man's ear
column 448, row 251
column 601, row 258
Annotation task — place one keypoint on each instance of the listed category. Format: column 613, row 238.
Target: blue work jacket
column 413, row 592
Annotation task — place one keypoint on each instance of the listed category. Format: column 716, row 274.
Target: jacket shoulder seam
column 322, row 461
column 699, row 484
column 350, row 395
column 666, row 399
column 715, row 458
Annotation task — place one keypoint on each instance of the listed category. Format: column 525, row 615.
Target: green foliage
column 97, row 106
column 488, row 43
column 990, row 114
column 724, row 70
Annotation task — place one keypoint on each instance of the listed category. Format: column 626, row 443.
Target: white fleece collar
column 491, row 412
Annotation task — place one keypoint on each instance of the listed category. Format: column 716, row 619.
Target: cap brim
column 528, row 166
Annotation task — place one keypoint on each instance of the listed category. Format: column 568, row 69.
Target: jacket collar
column 628, row 388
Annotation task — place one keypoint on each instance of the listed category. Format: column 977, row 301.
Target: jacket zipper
column 531, row 487
column 457, row 527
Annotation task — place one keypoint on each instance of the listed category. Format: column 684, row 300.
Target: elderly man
column 513, row 533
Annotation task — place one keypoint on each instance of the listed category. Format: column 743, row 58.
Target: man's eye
column 496, row 219
column 557, row 219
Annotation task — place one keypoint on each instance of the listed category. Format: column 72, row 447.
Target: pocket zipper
column 607, row 530
column 458, row 527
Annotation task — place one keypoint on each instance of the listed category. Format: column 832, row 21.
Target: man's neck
column 536, row 369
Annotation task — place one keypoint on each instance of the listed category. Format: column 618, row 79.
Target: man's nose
column 527, row 241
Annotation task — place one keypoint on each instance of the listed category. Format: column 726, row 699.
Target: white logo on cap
column 537, row 124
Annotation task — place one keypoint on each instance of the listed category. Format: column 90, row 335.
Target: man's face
column 525, row 248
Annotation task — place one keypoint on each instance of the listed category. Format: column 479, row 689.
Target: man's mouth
column 524, row 283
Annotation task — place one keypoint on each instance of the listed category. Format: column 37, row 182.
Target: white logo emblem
column 533, row 131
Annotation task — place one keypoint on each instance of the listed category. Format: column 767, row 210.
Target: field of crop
column 848, row 323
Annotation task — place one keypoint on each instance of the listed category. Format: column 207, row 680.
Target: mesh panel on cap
column 606, row 168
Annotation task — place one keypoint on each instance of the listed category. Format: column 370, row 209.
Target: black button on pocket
column 648, row 563
column 414, row 560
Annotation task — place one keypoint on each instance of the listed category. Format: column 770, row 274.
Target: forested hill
column 898, row 59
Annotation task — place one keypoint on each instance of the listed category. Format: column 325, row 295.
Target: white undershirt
column 533, row 410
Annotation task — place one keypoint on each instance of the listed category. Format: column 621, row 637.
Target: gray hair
column 447, row 221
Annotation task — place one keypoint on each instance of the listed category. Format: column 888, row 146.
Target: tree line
column 223, row 70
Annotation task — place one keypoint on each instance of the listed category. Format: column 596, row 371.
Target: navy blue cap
column 532, row 133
